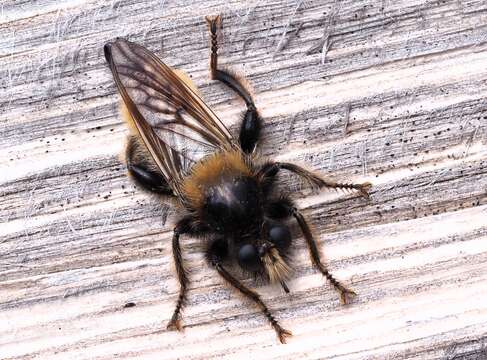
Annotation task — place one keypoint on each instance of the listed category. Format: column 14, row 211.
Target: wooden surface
column 397, row 98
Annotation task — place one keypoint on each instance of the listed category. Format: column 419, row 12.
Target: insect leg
column 281, row 332
column 250, row 130
column 269, row 171
column 345, row 294
column 280, row 209
column 284, row 208
column 214, row 23
column 187, row 225
column 216, row 253
column 175, row 323
column 138, row 164
column 251, row 122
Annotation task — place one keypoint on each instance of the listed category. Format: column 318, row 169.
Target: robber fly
column 178, row 147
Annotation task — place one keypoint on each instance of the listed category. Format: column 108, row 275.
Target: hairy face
column 266, row 254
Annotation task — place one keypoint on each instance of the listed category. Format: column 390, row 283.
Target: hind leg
column 143, row 170
column 251, row 122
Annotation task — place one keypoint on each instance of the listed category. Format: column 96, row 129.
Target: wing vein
column 176, row 126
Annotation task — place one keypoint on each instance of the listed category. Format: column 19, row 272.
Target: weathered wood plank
column 408, row 81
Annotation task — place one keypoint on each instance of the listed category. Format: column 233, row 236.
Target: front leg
column 345, row 294
column 284, row 208
column 268, row 172
column 282, row 333
column 216, row 254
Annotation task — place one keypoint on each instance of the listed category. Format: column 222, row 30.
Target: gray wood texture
column 391, row 92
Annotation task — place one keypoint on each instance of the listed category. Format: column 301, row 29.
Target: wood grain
column 397, row 98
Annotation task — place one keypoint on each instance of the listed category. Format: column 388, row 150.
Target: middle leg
column 251, row 123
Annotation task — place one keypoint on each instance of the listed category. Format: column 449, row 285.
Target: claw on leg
column 364, row 189
column 346, row 295
column 175, row 324
column 283, row 334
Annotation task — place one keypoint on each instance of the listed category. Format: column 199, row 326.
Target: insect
column 227, row 196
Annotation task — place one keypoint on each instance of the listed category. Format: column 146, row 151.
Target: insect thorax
column 233, row 205
column 222, row 189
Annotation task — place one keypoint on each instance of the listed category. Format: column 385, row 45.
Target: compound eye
column 248, row 258
column 280, row 236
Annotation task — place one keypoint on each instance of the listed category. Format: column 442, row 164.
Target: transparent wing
column 177, row 127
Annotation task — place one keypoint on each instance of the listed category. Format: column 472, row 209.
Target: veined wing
column 177, row 127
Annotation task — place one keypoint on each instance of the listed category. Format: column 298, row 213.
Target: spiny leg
column 138, row 164
column 175, row 322
column 214, row 23
column 280, row 331
column 216, row 254
column 187, row 225
column 270, row 170
column 345, row 294
column 251, row 122
column 284, row 208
